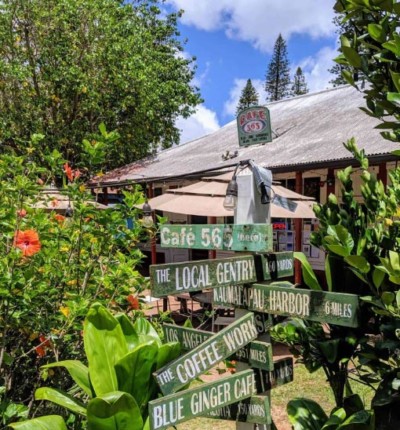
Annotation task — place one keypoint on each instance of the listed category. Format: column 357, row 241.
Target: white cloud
column 259, row 21
column 315, row 68
column 236, row 91
column 201, row 123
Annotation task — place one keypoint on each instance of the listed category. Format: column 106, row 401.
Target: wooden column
column 330, row 183
column 382, row 174
column 298, row 229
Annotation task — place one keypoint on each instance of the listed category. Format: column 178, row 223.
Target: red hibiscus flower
column 59, row 218
column 21, row 213
column 133, row 302
column 28, row 242
column 68, row 171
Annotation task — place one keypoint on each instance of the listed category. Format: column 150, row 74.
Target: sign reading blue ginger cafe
column 254, row 126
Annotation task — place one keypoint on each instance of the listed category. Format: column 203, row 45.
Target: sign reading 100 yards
column 233, row 237
column 254, row 126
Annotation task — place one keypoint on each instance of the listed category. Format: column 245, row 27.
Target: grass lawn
column 312, row 386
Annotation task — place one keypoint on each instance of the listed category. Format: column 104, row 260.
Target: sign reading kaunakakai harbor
column 234, row 237
column 177, row 374
column 175, row 278
column 179, row 407
column 254, row 126
column 333, row 308
column 258, row 354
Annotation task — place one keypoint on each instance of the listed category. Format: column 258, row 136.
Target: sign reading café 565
column 254, row 126
column 234, row 237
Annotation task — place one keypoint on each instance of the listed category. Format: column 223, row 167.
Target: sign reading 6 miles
column 254, row 126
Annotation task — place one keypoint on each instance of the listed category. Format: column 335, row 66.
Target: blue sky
column 233, row 41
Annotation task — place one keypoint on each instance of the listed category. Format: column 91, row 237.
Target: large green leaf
column 60, row 398
column 358, row 262
column 131, row 337
column 308, row 273
column 49, row 422
column 114, row 411
column 305, row 414
column 134, row 371
column 105, row 345
column 78, row 371
column 168, row 352
column 146, row 331
column 336, row 418
column 363, row 420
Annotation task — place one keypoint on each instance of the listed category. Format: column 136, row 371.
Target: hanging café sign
column 254, row 126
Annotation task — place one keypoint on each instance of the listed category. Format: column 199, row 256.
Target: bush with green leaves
column 52, row 268
column 113, row 391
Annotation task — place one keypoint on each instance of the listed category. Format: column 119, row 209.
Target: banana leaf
column 146, row 331
column 305, row 414
column 131, row 337
column 134, row 372
column 114, row 411
column 49, row 422
column 60, row 398
column 78, row 371
column 105, row 345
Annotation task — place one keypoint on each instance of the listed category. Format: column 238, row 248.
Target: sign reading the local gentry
column 254, row 126
column 257, row 354
column 167, row 279
column 255, row 410
column 333, row 308
column 179, row 407
column 177, row 374
column 234, row 237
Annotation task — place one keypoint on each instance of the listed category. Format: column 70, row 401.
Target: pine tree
column 249, row 97
column 277, row 83
column 299, row 83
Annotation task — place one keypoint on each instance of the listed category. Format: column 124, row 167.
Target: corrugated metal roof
column 310, row 131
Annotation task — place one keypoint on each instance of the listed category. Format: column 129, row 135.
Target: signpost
column 277, row 265
column 179, row 407
column 333, row 308
column 281, row 374
column 234, row 237
column 176, row 278
column 202, row 358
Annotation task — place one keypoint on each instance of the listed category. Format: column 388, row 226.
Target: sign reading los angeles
column 177, row 374
column 182, row 406
column 254, row 126
column 175, row 278
column 234, row 237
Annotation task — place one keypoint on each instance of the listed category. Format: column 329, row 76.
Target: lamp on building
column 230, row 201
column 147, row 219
column 330, row 181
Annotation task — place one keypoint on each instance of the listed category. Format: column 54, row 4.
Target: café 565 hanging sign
column 254, row 126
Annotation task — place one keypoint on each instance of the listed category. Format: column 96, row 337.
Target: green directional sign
column 282, row 374
column 333, row 308
column 257, row 354
column 234, row 237
column 277, row 265
column 176, row 278
column 182, row 406
column 177, row 374
column 255, row 410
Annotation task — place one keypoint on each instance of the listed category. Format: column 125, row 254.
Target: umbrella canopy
column 206, row 198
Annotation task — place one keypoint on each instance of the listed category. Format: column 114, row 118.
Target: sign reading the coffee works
column 258, row 354
column 332, row 308
column 234, row 237
column 179, row 407
column 177, row 374
column 254, row 126
column 175, row 278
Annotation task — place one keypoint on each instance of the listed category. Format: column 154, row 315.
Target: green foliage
column 277, row 83
column 306, row 414
column 370, row 47
column 119, row 372
column 248, row 98
column 66, row 66
column 44, row 295
column 299, row 86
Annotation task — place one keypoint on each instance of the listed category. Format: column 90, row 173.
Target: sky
column 233, row 40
